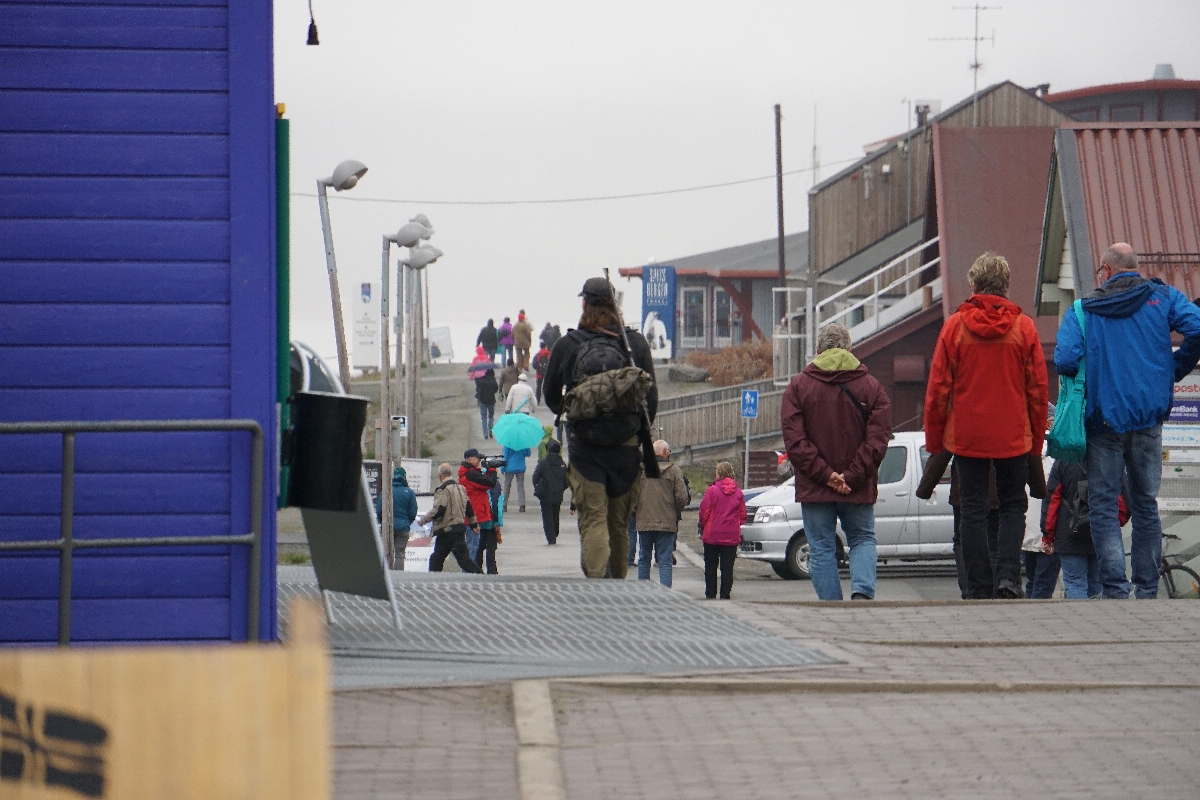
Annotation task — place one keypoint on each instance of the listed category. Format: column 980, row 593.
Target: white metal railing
column 795, row 334
column 873, row 278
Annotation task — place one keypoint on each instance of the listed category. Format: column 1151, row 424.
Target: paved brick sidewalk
column 798, row 736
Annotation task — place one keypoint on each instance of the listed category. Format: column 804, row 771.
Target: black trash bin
column 326, row 450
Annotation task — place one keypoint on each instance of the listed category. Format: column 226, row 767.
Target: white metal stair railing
column 880, row 308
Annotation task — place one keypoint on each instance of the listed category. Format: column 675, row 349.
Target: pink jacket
column 722, row 512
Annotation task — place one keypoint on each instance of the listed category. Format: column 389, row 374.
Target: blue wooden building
column 137, row 282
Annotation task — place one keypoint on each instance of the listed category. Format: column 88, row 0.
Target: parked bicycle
column 1174, row 579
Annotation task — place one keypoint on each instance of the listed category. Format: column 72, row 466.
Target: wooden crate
column 203, row 722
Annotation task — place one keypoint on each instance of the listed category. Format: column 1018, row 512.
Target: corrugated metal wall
column 1141, row 185
column 136, row 282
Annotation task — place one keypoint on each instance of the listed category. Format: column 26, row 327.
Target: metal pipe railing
column 67, row 544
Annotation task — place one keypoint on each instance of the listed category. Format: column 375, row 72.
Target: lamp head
column 345, row 175
column 420, row 257
column 410, row 234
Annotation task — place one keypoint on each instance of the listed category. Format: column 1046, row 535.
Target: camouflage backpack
column 603, row 404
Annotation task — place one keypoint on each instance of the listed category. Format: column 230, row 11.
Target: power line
column 567, row 199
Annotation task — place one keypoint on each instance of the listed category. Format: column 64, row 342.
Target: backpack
column 1080, row 510
column 603, row 403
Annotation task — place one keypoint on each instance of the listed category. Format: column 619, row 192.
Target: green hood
column 835, row 359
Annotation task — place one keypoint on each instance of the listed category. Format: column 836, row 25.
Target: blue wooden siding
column 136, row 282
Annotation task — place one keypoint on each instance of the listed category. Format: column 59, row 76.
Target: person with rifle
column 601, row 378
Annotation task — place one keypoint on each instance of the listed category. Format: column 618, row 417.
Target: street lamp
column 410, row 235
column 345, row 176
column 418, row 258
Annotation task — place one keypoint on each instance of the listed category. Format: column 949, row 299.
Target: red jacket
column 477, row 482
column 986, row 396
column 721, row 513
column 825, row 433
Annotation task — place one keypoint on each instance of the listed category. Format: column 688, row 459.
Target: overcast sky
column 486, row 101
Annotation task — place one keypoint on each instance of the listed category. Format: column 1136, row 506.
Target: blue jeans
column 1139, row 455
column 858, row 523
column 1081, row 577
column 660, row 544
column 1041, row 575
column 487, row 415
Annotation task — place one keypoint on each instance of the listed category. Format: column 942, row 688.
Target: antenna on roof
column 816, row 151
column 975, row 63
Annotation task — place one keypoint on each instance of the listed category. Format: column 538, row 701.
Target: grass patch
column 737, row 364
column 293, row 559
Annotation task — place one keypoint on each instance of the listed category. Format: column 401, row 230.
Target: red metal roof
column 1120, row 88
column 1141, row 184
column 990, row 188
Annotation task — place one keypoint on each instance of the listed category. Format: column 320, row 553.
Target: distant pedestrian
column 451, row 515
column 837, row 421
column 540, row 362
column 663, row 499
column 514, row 468
column 477, row 482
column 547, row 338
column 549, row 485
column 522, row 334
column 508, row 378
column 986, row 403
column 488, row 339
column 491, row 532
column 506, row 340
column 1131, row 371
column 607, row 449
column 485, row 394
column 722, row 512
column 520, row 399
column 404, row 513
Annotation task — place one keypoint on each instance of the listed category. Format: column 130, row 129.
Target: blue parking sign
column 750, row 403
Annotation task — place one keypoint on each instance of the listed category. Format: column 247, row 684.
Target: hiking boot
column 860, row 596
column 1007, row 590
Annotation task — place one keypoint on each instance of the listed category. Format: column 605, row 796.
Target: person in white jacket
column 520, row 398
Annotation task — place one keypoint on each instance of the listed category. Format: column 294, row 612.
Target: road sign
column 750, row 403
column 400, row 425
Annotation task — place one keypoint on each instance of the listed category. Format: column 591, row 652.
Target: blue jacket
column 515, row 459
column 1130, row 367
column 404, row 502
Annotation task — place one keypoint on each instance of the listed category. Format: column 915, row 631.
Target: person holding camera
column 477, row 479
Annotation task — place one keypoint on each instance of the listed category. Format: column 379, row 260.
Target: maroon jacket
column 824, row 433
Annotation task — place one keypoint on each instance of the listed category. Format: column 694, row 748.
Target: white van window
column 894, row 465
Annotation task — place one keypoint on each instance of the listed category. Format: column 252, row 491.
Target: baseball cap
column 472, row 453
column 597, row 289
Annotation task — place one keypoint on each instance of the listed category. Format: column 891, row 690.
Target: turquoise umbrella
column 517, row 431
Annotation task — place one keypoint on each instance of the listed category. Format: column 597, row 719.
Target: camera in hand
column 492, row 462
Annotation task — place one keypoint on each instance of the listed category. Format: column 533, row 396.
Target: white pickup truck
column 906, row 527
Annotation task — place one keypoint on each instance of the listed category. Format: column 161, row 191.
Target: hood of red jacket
column 989, row 315
column 728, row 485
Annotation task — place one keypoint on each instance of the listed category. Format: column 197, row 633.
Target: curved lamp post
column 345, row 176
column 410, row 235
column 418, row 258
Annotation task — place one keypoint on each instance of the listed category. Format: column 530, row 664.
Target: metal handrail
column 874, row 296
column 66, row 544
column 875, row 273
column 693, row 399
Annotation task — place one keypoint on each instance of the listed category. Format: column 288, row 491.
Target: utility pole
column 779, row 192
column 975, row 64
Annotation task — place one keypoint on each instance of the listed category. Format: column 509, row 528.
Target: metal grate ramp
column 467, row 628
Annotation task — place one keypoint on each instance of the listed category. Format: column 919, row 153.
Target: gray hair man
column 836, row 423
column 658, row 511
column 1131, row 371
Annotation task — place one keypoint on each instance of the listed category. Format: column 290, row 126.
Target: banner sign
column 658, row 310
column 366, row 331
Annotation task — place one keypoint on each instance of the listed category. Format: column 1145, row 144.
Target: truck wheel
column 797, row 557
column 783, row 570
